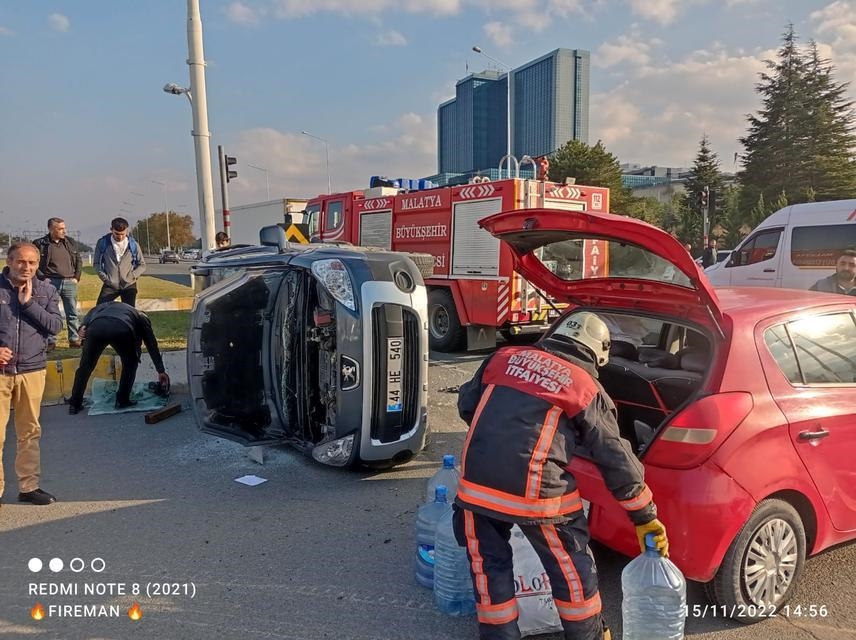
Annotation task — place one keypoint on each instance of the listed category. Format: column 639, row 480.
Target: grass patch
column 148, row 287
column 170, row 327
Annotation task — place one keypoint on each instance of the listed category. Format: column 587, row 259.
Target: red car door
column 811, row 371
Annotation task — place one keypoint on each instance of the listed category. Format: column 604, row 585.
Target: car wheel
column 445, row 332
column 762, row 566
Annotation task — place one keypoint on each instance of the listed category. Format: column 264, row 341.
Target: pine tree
column 705, row 172
column 593, row 166
column 801, row 142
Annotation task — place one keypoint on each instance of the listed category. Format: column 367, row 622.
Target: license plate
column 394, row 356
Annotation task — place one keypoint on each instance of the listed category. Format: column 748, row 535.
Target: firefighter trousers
column 568, row 562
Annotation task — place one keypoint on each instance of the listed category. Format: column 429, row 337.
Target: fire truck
column 474, row 290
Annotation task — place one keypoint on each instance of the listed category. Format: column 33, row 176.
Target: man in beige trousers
column 29, row 315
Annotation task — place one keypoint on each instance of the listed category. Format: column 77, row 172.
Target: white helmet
column 590, row 331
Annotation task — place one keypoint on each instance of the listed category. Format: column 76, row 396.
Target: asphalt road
column 312, row 553
column 178, row 273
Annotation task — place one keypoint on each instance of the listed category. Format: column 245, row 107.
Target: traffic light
column 230, row 175
column 714, row 205
column 703, row 198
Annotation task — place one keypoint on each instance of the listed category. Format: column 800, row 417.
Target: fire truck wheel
column 424, row 262
column 445, row 332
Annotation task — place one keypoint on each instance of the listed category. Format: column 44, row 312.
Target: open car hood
column 607, row 261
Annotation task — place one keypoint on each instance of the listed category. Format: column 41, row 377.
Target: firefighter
column 529, row 409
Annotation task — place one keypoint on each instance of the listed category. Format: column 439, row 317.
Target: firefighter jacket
column 530, row 411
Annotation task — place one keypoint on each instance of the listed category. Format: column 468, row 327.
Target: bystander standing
column 119, row 263
column 29, row 314
column 59, row 263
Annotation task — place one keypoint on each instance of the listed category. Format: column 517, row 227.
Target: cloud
column 300, row 8
column 564, row 7
column 499, row 33
column 663, row 11
column 391, row 39
column 406, row 147
column 659, row 114
column 59, row 22
column 4, row 31
column 836, row 34
column 837, row 20
column 239, row 13
column 627, row 49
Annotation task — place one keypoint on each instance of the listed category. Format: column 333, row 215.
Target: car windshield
column 579, row 258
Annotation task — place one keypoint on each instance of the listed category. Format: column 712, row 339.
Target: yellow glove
column 659, row 530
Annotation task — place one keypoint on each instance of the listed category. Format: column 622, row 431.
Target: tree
column 152, row 236
column 801, row 142
column 594, row 166
column 705, row 173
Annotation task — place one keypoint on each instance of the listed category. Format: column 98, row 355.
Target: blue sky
column 85, row 124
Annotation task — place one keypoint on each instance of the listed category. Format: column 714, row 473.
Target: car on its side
column 739, row 402
column 169, row 256
column 319, row 346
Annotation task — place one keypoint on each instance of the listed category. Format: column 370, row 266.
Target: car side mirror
column 273, row 236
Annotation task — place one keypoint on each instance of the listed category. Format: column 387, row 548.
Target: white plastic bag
column 532, row 589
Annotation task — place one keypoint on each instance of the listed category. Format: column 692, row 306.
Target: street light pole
column 507, row 104
column 166, row 209
column 267, row 178
column 326, row 157
column 200, row 133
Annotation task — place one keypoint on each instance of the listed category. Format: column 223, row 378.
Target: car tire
column 772, row 540
column 445, row 332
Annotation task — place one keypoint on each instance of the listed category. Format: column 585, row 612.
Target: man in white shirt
column 119, row 263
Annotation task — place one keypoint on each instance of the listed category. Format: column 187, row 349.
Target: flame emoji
column 38, row 612
column 135, row 613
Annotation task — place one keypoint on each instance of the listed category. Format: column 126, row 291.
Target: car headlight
column 333, row 275
column 336, row 453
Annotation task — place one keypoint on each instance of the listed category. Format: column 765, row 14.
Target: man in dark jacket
column 529, row 409
column 119, row 263
column 125, row 329
column 29, row 314
column 59, row 263
column 844, row 279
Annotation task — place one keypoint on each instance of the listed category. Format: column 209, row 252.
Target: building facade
column 549, row 106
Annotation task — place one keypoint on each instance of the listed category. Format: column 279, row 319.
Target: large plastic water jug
column 447, row 476
column 453, row 587
column 654, row 597
column 427, row 517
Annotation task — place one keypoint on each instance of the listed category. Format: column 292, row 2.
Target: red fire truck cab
column 474, row 290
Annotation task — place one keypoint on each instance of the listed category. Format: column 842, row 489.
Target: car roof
column 746, row 303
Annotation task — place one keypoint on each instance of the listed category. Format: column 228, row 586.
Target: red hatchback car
column 741, row 403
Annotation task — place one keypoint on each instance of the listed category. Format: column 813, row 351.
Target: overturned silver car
column 321, row 347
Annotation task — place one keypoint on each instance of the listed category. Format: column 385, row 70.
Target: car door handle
column 769, row 271
column 813, row 435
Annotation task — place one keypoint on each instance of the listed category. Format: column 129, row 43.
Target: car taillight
column 693, row 435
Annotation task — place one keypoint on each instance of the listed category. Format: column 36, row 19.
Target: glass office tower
column 550, row 105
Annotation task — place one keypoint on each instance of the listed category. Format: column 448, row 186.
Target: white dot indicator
column 55, row 565
column 35, row 565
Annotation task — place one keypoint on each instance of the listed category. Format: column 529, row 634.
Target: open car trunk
column 655, row 368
